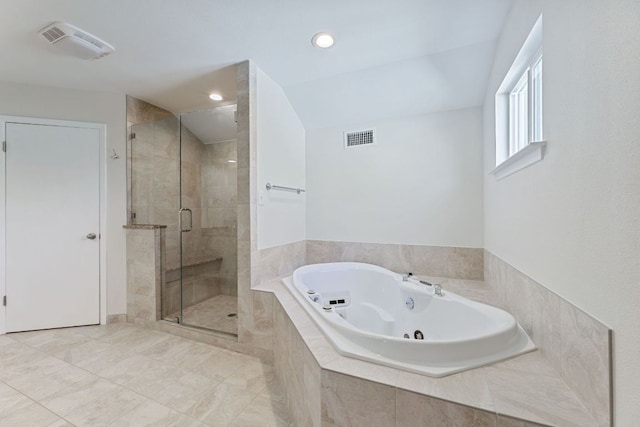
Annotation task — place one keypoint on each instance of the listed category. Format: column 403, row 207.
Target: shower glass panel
column 207, row 219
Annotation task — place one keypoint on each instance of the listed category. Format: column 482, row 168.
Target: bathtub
column 370, row 313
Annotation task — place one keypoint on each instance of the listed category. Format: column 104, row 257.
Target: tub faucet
column 406, row 276
column 437, row 290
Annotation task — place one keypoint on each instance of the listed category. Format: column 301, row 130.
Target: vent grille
column 53, row 34
column 359, row 138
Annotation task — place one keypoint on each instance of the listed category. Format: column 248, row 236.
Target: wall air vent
column 76, row 42
column 359, row 138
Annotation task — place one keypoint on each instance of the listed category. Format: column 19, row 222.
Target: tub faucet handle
column 406, row 276
column 437, row 290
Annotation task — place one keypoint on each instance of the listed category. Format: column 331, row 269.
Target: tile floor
column 213, row 314
column 124, row 375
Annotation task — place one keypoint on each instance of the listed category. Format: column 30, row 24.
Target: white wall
column 571, row 222
column 281, row 161
column 108, row 108
column 421, row 183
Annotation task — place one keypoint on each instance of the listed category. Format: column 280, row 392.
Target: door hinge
column 4, row 301
column 4, row 146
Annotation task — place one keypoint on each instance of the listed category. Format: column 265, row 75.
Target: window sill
column 530, row 154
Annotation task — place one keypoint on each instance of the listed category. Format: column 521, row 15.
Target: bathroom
column 567, row 223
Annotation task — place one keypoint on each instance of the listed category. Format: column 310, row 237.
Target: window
column 519, row 110
column 525, row 108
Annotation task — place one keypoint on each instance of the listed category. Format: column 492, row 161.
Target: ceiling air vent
column 359, row 138
column 75, row 41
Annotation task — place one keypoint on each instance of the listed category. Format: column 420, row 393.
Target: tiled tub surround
column 459, row 263
column 325, row 388
column 575, row 344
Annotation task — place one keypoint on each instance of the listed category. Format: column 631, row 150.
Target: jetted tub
column 370, row 313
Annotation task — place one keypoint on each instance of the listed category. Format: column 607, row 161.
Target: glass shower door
column 207, row 219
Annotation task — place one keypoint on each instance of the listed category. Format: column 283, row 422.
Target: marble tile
column 550, row 401
column 220, row 405
column 349, row 401
column 148, row 413
column 106, row 409
column 274, row 390
column 363, row 370
column 76, row 353
column 504, row 421
column 576, row 345
column 418, row 410
column 586, row 365
column 11, row 401
column 467, row 388
column 154, row 377
column 182, row 392
column 32, row 415
column 77, row 395
column 461, row 263
column 222, row 365
column 51, row 340
column 252, row 376
column 264, row 413
column 44, row 383
column 182, row 353
column 139, row 111
column 31, row 368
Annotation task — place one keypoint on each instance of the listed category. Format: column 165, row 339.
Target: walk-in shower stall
column 183, row 175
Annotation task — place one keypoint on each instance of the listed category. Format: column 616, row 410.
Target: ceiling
column 391, row 58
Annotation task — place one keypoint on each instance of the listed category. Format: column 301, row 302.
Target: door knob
column 91, row 236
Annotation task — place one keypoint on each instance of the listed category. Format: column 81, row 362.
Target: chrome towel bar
column 280, row 187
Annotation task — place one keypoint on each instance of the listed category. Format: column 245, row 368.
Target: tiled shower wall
column 208, row 189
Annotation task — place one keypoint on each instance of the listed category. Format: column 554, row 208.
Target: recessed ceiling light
column 215, row 97
column 322, row 40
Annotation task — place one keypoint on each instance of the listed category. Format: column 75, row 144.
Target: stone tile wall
column 457, row 263
column 144, row 272
column 575, row 344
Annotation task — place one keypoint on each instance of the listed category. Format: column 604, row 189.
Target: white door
column 52, row 214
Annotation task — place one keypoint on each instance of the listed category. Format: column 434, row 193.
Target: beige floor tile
column 148, row 413
column 124, row 375
column 79, row 394
column 101, row 331
column 181, row 394
column 222, row 365
column 213, row 313
column 51, row 340
column 41, row 366
column 106, row 409
column 32, row 415
column 220, row 405
column 156, row 377
column 103, row 360
column 15, row 355
column 183, row 353
column 79, row 352
column 274, row 390
column 126, row 369
column 263, row 412
column 40, row 385
column 252, row 376
column 11, row 401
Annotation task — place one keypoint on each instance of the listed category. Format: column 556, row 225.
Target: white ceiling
column 212, row 125
column 391, row 58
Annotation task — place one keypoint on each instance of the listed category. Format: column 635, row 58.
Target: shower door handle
column 180, row 220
